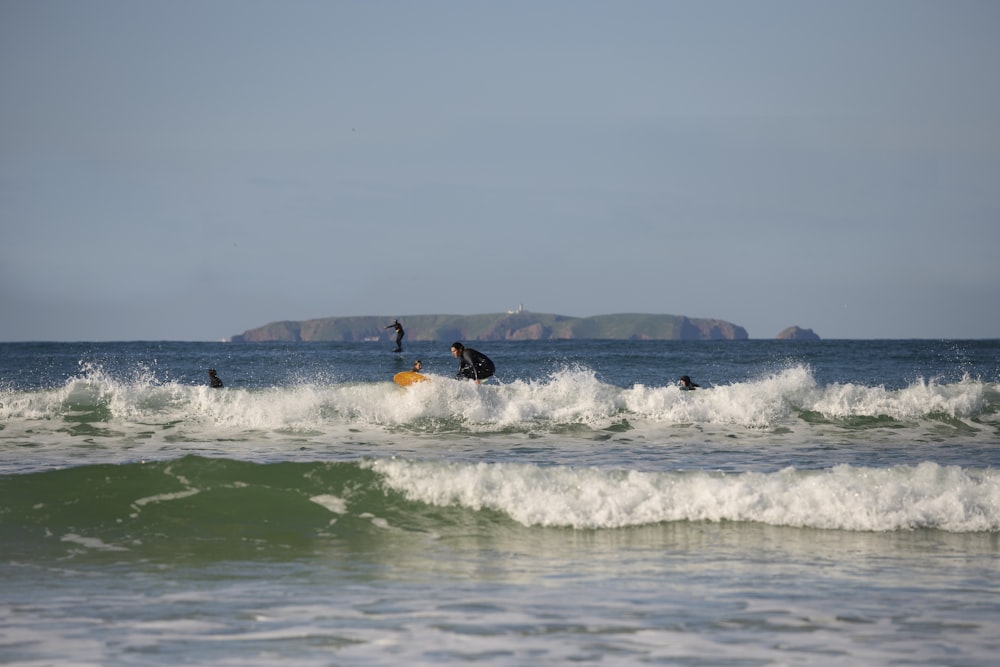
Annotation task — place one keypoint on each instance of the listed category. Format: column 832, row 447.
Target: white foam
column 334, row 504
column 569, row 396
column 90, row 542
column 165, row 497
column 107, row 420
column 845, row 497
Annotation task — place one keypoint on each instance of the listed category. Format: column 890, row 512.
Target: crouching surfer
column 472, row 364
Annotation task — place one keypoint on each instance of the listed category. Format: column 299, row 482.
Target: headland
column 518, row 325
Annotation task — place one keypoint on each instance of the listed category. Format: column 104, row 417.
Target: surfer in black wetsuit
column 686, row 384
column 399, row 334
column 417, row 365
column 472, row 364
column 214, row 380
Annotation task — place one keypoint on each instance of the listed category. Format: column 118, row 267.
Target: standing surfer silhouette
column 399, row 334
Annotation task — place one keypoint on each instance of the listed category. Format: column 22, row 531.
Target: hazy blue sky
column 190, row 170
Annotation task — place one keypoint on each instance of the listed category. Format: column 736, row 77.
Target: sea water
column 821, row 503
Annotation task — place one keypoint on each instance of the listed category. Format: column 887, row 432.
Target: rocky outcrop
column 797, row 333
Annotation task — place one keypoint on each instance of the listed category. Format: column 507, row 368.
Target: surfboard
column 406, row 378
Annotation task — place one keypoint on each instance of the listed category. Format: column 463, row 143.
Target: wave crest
column 568, row 397
column 845, row 497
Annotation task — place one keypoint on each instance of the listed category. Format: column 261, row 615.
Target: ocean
column 812, row 503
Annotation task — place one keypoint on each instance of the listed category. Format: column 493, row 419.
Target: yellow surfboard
column 406, row 378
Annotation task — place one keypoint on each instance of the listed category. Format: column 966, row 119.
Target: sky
column 188, row 170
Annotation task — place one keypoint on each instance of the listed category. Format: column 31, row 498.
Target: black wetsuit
column 214, row 380
column 474, row 365
column 399, row 335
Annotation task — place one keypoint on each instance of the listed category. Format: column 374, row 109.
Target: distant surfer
column 399, row 334
column 214, row 380
column 472, row 364
column 417, row 365
column 686, row 384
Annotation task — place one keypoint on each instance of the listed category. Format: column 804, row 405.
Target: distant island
column 516, row 325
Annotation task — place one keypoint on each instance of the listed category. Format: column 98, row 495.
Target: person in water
column 213, row 379
column 686, row 383
column 399, row 334
column 472, row 364
column 417, row 365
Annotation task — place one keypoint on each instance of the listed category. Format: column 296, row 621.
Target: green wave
column 196, row 507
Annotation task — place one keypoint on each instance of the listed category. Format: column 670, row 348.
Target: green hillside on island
column 497, row 326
